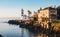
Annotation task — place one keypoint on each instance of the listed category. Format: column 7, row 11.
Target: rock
column 1, row 35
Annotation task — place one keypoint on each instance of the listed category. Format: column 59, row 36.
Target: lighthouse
column 23, row 17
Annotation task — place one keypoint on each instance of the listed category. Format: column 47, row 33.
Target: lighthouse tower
column 22, row 14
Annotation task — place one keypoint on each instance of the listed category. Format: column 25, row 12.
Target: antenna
column 22, row 12
column 54, row 6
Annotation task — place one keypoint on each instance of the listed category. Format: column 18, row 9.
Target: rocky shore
column 33, row 28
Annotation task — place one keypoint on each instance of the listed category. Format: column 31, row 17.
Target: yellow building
column 35, row 16
column 48, row 12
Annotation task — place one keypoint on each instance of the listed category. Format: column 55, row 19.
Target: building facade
column 35, row 16
column 48, row 12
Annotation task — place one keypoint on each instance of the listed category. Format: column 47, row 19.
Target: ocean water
column 11, row 30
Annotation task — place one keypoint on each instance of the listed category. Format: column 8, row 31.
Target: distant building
column 48, row 12
column 24, row 17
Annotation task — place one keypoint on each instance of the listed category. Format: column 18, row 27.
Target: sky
column 12, row 8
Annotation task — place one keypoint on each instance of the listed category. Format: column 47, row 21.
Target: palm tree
column 29, row 13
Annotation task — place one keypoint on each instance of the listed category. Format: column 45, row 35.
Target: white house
column 48, row 12
column 24, row 17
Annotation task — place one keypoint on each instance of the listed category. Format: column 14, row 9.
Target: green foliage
column 58, row 12
column 29, row 12
column 58, row 7
column 56, row 22
column 27, row 22
column 36, row 22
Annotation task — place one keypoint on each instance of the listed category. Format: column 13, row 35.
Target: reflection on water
column 9, row 30
column 31, row 34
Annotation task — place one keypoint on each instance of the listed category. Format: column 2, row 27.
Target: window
column 52, row 11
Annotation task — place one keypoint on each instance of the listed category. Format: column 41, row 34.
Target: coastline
column 33, row 28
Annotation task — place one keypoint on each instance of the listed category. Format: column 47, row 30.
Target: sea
column 12, row 30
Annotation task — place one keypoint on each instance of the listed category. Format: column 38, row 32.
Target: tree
column 58, row 12
column 29, row 13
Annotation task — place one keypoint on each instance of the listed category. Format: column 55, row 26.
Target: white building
column 48, row 12
column 24, row 17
